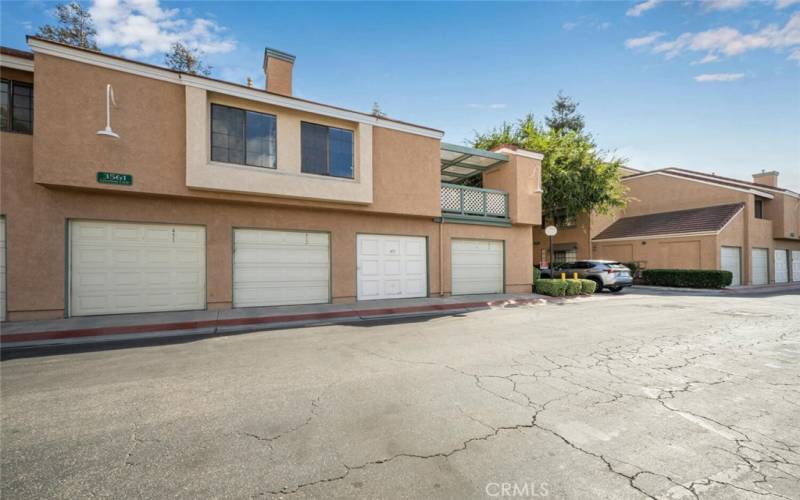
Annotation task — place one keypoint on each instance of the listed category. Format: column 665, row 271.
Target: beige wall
column 151, row 120
column 519, row 177
column 278, row 76
column 694, row 252
column 647, row 195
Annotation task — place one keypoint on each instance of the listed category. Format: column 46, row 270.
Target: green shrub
column 687, row 278
column 588, row 287
column 553, row 288
column 573, row 287
column 537, row 273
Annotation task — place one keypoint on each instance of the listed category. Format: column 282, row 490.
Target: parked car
column 607, row 274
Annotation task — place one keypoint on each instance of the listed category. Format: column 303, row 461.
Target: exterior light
column 109, row 101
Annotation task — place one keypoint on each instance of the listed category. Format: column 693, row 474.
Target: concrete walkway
column 137, row 326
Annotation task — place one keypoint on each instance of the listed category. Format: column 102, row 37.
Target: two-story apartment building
column 679, row 218
column 202, row 193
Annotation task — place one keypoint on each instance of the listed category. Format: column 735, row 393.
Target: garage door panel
column 280, row 268
column 781, row 266
column 730, row 260
column 760, row 266
column 476, row 266
column 127, row 267
column 391, row 266
column 795, row 265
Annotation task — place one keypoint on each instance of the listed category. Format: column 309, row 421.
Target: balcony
column 474, row 205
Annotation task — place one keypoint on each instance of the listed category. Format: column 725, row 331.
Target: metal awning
column 461, row 162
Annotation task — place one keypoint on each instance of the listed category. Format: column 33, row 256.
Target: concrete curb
column 247, row 324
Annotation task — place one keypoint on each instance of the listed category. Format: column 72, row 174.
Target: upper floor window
column 759, row 206
column 243, row 137
column 326, row 150
column 16, row 106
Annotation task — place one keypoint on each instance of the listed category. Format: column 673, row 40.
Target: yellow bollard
column 574, row 276
column 563, row 276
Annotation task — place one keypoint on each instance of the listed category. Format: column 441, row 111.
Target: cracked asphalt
column 618, row 396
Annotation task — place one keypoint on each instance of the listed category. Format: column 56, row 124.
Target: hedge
column 687, row 278
column 537, row 273
column 588, row 287
column 554, row 288
column 573, row 287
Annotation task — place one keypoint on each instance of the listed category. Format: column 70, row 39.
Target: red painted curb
column 284, row 318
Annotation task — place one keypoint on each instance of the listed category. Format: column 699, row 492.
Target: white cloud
column 644, row 41
column 569, row 26
column 590, row 22
column 782, row 4
column 141, row 28
column 487, row 106
column 726, row 41
column 719, row 77
column 724, row 4
column 795, row 55
column 640, row 8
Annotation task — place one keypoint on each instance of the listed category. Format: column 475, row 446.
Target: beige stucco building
column 218, row 195
column 679, row 218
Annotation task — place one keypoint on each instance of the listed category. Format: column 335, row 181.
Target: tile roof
column 695, row 220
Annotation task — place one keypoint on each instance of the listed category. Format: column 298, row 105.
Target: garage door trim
column 257, row 228
column 404, row 235
column 68, row 260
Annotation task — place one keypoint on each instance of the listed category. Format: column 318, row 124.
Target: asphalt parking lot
column 619, row 396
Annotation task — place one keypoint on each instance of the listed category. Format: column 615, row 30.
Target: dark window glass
column 243, row 137
column 16, row 106
column 314, row 155
column 759, row 206
column 326, row 150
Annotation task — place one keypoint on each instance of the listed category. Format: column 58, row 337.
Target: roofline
column 467, row 150
column 109, row 61
column 710, row 182
column 516, row 150
column 11, row 51
column 277, row 54
column 16, row 59
column 765, row 187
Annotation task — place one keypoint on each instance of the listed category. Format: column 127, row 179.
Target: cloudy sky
column 711, row 86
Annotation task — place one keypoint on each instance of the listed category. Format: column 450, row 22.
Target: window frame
column 758, row 208
column 328, row 128
column 244, row 111
column 10, row 125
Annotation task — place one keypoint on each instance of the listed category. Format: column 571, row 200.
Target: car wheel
column 615, row 289
column 599, row 286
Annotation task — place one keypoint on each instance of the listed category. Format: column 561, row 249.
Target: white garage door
column 280, row 267
column 760, row 266
column 795, row 265
column 731, row 259
column 391, row 267
column 2, row 269
column 119, row 267
column 477, row 266
column 781, row 267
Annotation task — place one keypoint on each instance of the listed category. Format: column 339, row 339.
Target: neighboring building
column 218, row 195
column 679, row 218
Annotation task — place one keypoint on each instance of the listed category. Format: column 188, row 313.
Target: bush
column 588, row 287
column 634, row 267
column 537, row 273
column 687, row 278
column 553, row 288
column 573, row 287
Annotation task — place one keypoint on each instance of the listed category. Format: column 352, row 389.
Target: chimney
column 278, row 71
column 766, row 178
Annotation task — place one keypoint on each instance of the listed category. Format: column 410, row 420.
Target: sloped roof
column 694, row 220
column 714, row 179
column 9, row 51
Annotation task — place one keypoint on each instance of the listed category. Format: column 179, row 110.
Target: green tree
column 75, row 27
column 577, row 176
column 182, row 58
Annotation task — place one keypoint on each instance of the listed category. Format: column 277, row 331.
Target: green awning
column 461, row 162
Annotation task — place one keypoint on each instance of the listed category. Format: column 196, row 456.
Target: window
column 565, row 256
column 243, row 137
column 326, row 150
column 759, row 206
column 16, row 106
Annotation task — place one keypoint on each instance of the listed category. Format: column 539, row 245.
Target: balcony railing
column 471, row 203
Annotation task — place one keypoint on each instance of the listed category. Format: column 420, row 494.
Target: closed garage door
column 391, row 266
column 731, row 259
column 760, row 266
column 118, row 267
column 795, row 265
column 477, row 266
column 280, row 268
column 781, row 267
column 2, row 269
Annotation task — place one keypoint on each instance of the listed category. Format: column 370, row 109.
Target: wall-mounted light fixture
column 109, row 101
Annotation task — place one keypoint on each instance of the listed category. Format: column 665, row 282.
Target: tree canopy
column 577, row 176
column 182, row 58
column 75, row 27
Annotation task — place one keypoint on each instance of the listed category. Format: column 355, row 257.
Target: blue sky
column 711, row 86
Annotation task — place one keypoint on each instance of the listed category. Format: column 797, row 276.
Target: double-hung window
column 243, row 137
column 326, row 150
column 16, row 106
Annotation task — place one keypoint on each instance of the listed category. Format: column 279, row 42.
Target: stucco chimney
column 766, row 178
column 278, row 71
